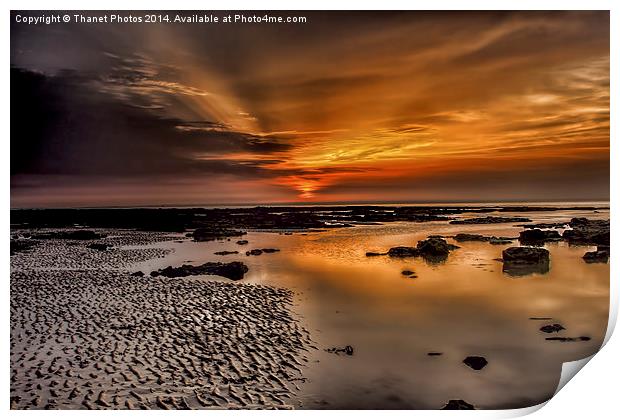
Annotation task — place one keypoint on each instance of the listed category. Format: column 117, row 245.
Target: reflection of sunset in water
column 463, row 306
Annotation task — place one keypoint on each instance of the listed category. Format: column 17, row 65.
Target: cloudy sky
column 348, row 107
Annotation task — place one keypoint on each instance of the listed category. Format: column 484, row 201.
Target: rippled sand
column 87, row 334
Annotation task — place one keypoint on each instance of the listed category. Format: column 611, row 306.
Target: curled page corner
column 570, row 369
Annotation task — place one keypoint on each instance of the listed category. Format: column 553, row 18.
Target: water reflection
column 464, row 305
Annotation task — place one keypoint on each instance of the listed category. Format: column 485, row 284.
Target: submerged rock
column 458, row 405
column 242, row 242
column 226, row 252
column 552, row 328
column 234, row 270
column 471, row 237
column 475, row 362
column 260, row 251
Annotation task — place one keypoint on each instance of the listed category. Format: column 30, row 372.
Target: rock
column 21, row 245
column 226, row 252
column 471, row 237
column 537, row 236
column 403, row 251
column 552, row 328
column 568, row 339
column 407, row 273
column 587, row 232
column 489, row 220
column 375, row 254
column 434, row 353
column 348, row 350
column 270, row 250
column 475, row 362
column 525, row 255
column 242, row 242
column 99, row 247
column 137, row 274
column 500, row 241
column 435, row 247
column 553, row 225
column 521, row 261
column 254, row 252
column 234, row 270
column 213, row 233
column 458, row 405
column 596, row 257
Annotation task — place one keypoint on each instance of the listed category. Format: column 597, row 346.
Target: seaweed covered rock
column 234, row 270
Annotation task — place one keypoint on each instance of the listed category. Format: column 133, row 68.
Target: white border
column 593, row 394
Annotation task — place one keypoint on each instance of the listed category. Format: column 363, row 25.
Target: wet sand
column 87, row 334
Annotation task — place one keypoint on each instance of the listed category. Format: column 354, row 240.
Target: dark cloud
column 63, row 124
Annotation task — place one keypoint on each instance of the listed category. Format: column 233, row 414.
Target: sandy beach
column 85, row 334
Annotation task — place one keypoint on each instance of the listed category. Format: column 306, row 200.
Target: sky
column 347, row 107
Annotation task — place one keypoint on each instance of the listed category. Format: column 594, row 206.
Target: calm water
column 465, row 306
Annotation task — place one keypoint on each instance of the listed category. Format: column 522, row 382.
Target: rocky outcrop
column 214, row 233
column 226, row 252
column 521, row 261
column 587, row 232
column 474, row 237
column 537, row 236
column 234, row 270
column 601, row 255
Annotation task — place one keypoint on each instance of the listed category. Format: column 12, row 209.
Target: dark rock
column 596, row 257
column 137, row 274
column 234, row 270
column 99, row 247
column 489, row 220
column 254, row 252
column 525, row 255
column 521, row 261
column 77, row 235
column 407, row 273
column 540, row 318
column 587, row 232
column 226, row 252
column 500, row 241
column 403, row 251
column 475, row 362
column 434, row 353
column 458, row 405
column 348, row 350
column 568, row 339
column 242, row 242
column 537, row 236
column 270, row 250
column 375, row 254
column 435, row 247
column 471, row 237
column 21, row 245
column 213, row 233
column 553, row 225
column 552, row 328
